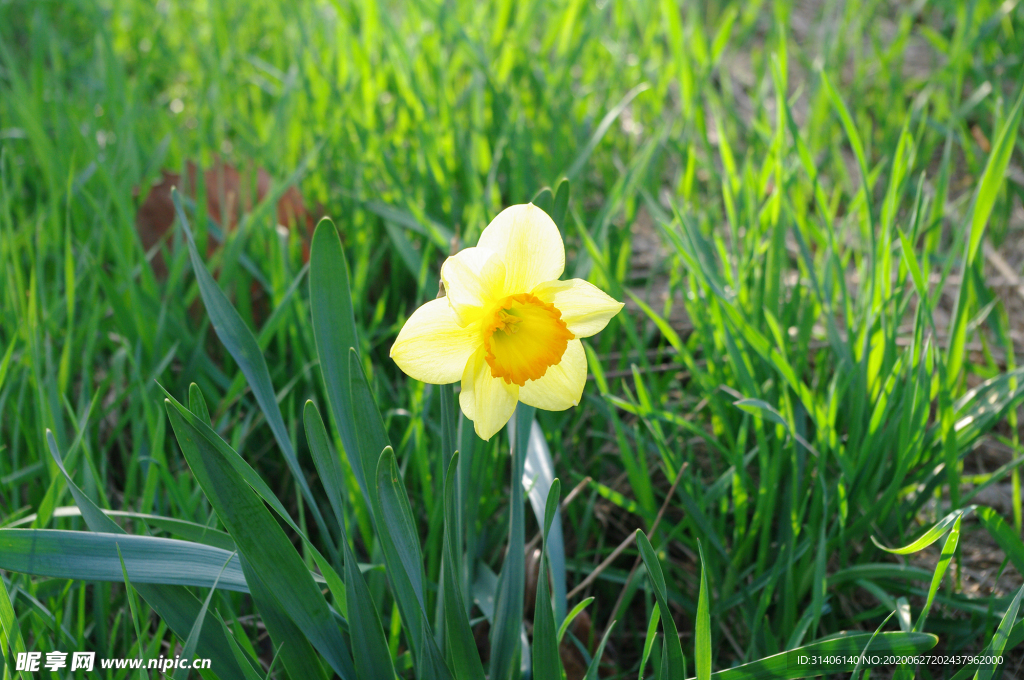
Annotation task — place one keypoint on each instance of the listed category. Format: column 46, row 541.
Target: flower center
column 523, row 337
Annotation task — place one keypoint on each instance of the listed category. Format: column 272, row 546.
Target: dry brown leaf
column 228, row 197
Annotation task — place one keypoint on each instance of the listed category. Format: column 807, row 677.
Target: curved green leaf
column 371, row 654
column 992, row 177
column 929, row 537
column 328, row 466
column 91, row 556
column 571, row 616
column 10, row 628
column 190, row 531
column 860, row 658
column 256, row 483
column 297, row 654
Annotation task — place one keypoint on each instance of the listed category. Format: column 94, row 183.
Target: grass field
column 812, row 210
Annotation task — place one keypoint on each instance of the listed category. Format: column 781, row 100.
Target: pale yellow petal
column 528, row 243
column 486, row 400
column 585, row 308
column 432, row 347
column 562, row 385
column 472, row 278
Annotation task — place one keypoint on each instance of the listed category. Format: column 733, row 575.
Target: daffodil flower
column 507, row 328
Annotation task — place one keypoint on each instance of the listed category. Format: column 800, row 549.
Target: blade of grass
column 948, row 548
column 240, row 343
column 702, row 636
column 188, row 650
column 1002, row 634
column 673, row 650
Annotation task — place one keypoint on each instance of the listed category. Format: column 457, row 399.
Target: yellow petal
column 585, row 308
column 486, row 400
column 562, row 385
column 432, row 347
column 472, row 278
column 528, row 243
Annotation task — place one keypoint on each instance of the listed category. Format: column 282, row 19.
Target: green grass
column 812, row 179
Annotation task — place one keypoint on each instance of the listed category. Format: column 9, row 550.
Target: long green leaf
column 650, row 638
column 334, row 328
column 328, row 466
column 262, row 542
column 5, row 363
column 91, row 556
column 370, row 647
column 992, row 178
column 371, row 654
column 191, row 531
column 240, row 657
column 860, row 657
column 850, row 128
column 595, row 661
column 984, row 201
column 240, row 343
column 245, row 472
column 133, row 609
column 601, row 129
